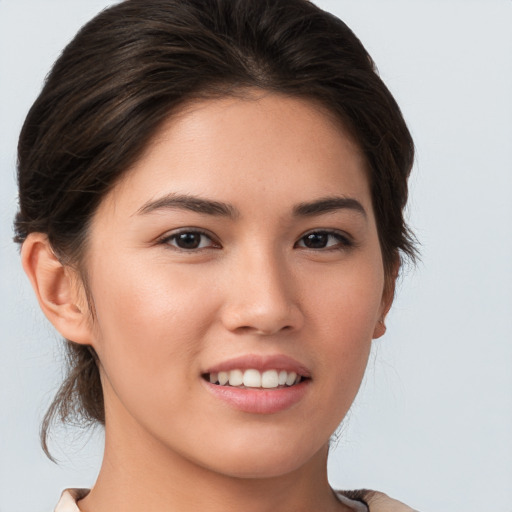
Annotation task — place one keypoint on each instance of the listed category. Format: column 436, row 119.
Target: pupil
column 316, row 240
column 189, row 240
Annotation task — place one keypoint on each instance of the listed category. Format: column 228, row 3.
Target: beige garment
column 379, row 502
column 68, row 499
column 376, row 501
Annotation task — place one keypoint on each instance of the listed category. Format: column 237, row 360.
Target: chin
column 259, row 469
column 266, row 460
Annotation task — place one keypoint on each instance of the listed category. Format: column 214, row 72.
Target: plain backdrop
column 432, row 424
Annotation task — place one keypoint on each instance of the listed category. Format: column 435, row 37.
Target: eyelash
column 167, row 240
column 343, row 241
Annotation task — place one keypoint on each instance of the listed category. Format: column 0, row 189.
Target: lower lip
column 257, row 400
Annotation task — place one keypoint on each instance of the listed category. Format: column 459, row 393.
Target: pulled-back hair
column 133, row 65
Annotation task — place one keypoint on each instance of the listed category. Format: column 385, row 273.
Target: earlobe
column 380, row 329
column 387, row 300
column 56, row 289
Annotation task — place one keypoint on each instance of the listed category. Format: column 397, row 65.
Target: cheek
column 347, row 302
column 148, row 320
column 343, row 313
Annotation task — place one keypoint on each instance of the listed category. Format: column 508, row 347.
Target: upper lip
column 261, row 363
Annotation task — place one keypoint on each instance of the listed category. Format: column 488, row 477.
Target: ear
column 388, row 295
column 58, row 289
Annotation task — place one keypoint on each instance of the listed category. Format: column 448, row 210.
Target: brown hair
column 131, row 66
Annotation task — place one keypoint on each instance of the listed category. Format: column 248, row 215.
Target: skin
column 163, row 315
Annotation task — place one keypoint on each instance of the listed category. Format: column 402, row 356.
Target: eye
column 324, row 240
column 189, row 240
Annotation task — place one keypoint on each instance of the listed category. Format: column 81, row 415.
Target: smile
column 252, row 378
column 258, row 384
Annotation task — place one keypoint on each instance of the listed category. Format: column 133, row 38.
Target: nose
column 262, row 296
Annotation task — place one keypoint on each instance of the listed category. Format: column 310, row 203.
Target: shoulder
column 376, row 501
column 68, row 499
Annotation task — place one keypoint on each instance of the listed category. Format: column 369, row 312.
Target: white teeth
column 236, row 378
column 291, row 378
column 270, row 379
column 252, row 379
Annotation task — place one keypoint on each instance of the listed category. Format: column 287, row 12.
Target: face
column 241, row 246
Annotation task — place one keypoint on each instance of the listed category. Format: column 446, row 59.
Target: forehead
column 265, row 147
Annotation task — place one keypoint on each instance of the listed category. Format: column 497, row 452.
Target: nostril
column 262, row 331
column 250, row 316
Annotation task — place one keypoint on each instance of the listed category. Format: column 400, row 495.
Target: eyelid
column 170, row 235
column 345, row 239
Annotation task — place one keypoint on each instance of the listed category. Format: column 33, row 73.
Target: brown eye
column 323, row 240
column 316, row 240
column 189, row 240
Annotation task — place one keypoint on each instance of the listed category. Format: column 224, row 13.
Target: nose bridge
column 262, row 295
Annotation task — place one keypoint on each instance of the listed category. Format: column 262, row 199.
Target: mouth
column 258, row 384
column 255, row 379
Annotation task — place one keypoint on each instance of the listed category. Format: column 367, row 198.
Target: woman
column 211, row 198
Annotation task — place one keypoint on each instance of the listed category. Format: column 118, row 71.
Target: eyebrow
column 327, row 205
column 192, row 203
column 217, row 208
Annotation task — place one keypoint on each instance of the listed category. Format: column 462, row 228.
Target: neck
column 145, row 475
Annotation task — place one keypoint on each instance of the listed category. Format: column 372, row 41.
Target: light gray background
column 433, row 422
